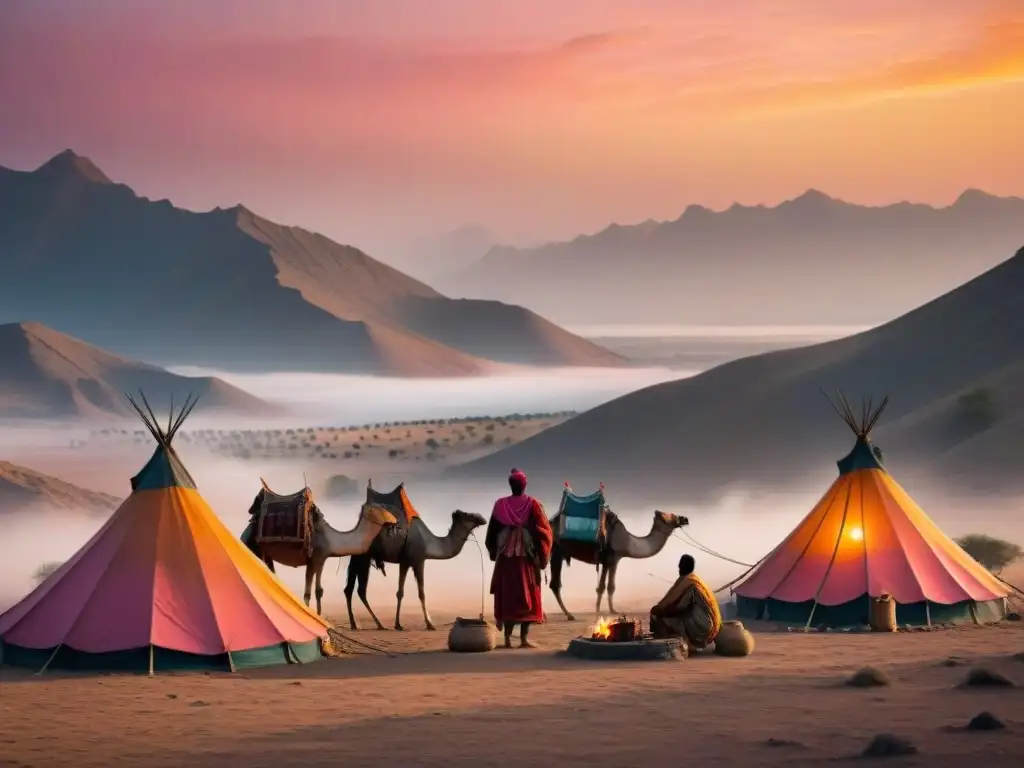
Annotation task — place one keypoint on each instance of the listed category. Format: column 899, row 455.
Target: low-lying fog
column 740, row 526
column 342, row 400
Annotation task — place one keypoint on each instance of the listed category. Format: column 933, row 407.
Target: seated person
column 688, row 611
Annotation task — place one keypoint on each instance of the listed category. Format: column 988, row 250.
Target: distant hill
column 228, row 289
column 47, row 374
column 22, row 488
column 954, row 369
column 813, row 260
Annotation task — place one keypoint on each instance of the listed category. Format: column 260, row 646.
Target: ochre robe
column 688, row 610
column 519, row 539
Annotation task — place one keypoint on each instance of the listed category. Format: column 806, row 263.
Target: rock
column 868, row 677
column 979, row 677
column 985, row 721
column 199, row 703
column 789, row 743
column 172, row 695
column 950, row 662
column 1018, row 656
column 1013, row 616
column 889, row 745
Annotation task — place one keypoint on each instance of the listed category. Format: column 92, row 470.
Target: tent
column 866, row 537
column 163, row 585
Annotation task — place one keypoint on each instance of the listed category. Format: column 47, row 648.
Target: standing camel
column 325, row 541
column 618, row 543
column 409, row 544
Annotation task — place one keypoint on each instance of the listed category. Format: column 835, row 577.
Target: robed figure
column 519, row 539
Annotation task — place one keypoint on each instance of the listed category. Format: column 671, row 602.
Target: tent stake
column 231, row 662
column 49, row 660
column 150, row 659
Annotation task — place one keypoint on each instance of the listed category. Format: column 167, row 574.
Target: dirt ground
column 425, row 706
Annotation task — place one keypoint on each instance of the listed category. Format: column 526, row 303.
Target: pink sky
column 374, row 122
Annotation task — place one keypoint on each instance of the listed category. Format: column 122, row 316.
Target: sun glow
column 857, row 534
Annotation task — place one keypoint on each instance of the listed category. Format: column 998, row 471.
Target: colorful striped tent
column 162, row 586
column 866, row 537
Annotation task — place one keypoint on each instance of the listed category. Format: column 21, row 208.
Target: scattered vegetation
column 995, row 554
column 45, row 571
column 342, row 486
column 433, row 440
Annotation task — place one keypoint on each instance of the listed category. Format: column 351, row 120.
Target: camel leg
column 556, row 582
column 358, row 579
column 310, row 571
column 320, row 589
column 613, row 568
column 417, row 571
column 403, row 571
column 600, row 586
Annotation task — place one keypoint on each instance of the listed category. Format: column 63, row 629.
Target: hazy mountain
column 22, row 488
column 813, row 260
column 954, row 369
column 47, row 374
column 436, row 257
column 230, row 290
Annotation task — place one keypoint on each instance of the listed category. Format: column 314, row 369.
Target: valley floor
column 784, row 705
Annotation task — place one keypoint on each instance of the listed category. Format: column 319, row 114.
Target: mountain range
column 954, row 369
column 228, row 289
column 45, row 374
column 813, row 260
column 23, row 488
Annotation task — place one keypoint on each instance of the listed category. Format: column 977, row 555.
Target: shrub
column 340, row 486
column 45, row 571
column 392, row 454
column 994, row 554
column 977, row 409
column 488, row 440
column 432, row 444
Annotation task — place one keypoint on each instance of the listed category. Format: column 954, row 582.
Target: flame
column 602, row 629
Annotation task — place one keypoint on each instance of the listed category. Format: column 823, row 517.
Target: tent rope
column 483, row 575
column 707, row 550
column 832, row 560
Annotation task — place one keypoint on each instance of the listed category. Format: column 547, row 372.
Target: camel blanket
column 397, row 502
column 286, row 519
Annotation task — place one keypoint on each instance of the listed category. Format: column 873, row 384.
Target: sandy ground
column 426, row 706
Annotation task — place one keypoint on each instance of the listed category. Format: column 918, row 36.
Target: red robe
column 516, row 581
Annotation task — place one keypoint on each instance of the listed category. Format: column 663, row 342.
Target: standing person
column 689, row 609
column 519, row 539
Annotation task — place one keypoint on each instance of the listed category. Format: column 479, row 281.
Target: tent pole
column 50, row 660
column 835, row 551
column 150, row 659
column 231, row 662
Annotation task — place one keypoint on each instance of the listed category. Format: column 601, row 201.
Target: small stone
column 172, row 695
column 788, row 743
column 985, row 721
column 1013, row 616
column 295, row 682
column 979, row 677
column 950, row 662
column 868, row 677
column 199, row 703
column 889, row 745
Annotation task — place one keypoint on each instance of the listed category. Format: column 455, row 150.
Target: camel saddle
column 395, row 501
column 582, row 520
column 286, row 519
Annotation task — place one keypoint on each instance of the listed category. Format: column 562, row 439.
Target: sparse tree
column 995, row 554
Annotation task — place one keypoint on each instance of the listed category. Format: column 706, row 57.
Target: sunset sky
column 375, row 121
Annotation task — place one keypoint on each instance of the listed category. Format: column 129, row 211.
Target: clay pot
column 471, row 636
column 734, row 640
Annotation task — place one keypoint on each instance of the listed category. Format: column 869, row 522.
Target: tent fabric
column 866, row 537
column 162, row 573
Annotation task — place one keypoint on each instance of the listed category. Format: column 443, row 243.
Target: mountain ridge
column 759, row 264
column 231, row 290
column 51, row 375
column 761, row 420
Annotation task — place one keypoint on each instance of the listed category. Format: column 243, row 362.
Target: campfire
column 620, row 630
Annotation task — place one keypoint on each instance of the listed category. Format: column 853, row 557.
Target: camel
column 409, row 544
column 618, row 543
column 326, row 542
